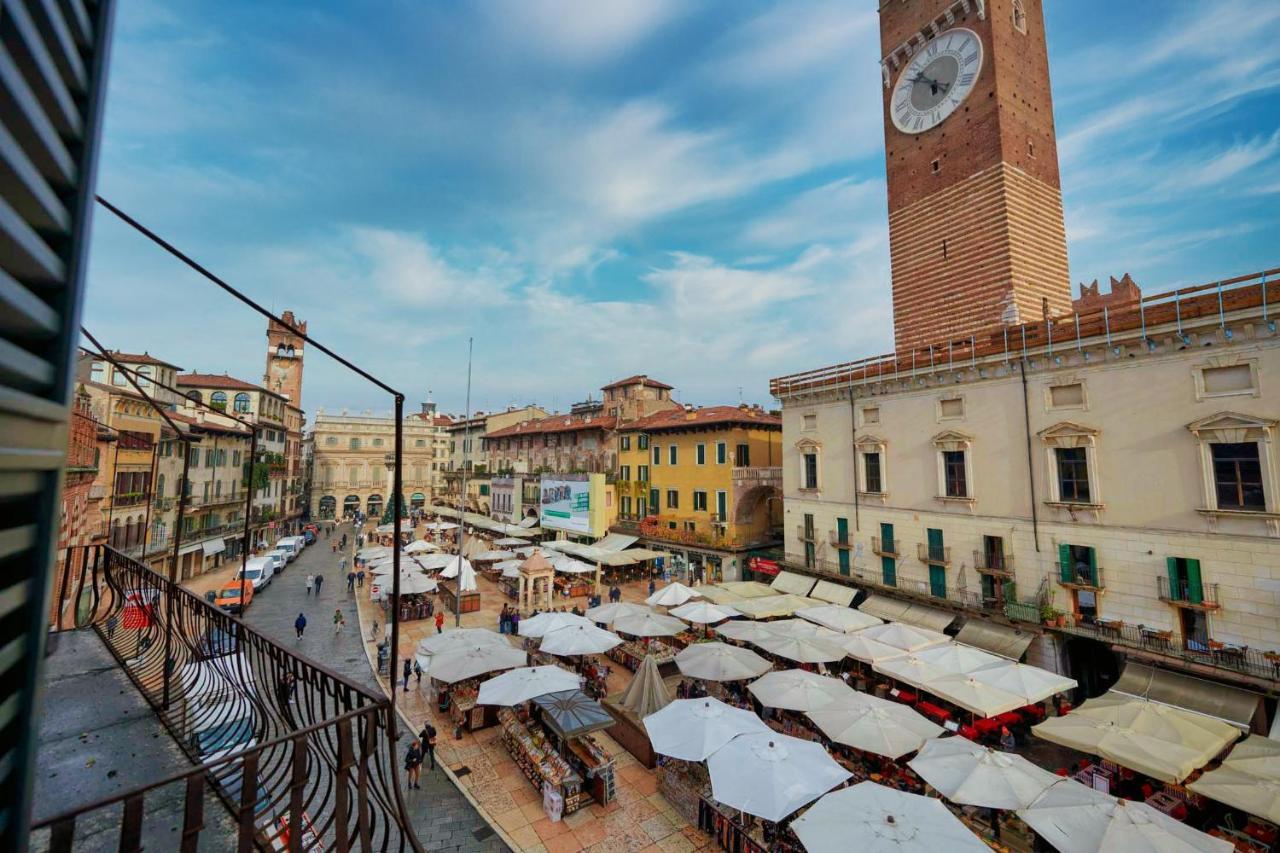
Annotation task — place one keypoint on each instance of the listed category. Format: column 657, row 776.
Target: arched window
column 290, row 351
column 242, row 403
column 195, row 395
column 218, row 399
column 144, row 373
column 1019, row 16
column 280, row 351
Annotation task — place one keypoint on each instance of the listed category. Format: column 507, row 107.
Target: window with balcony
column 653, row 500
column 699, row 501
column 1078, row 570
column 955, row 477
column 624, row 473
column 810, row 546
column 1237, row 476
column 624, row 506
column 642, row 473
column 673, row 499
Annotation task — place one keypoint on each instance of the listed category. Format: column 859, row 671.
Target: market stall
column 414, row 602
column 631, row 654
column 460, row 593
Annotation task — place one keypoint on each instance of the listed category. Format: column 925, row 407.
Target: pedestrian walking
column 319, row 583
column 311, row 581
column 652, row 586
column 360, row 578
column 413, row 764
column 300, row 625
column 428, row 739
column 335, row 547
column 338, row 621
column 440, row 622
column 408, row 671
column 111, row 626
column 417, row 671
column 351, row 581
column 342, row 565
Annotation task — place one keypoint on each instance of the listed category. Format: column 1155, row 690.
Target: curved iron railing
column 283, row 741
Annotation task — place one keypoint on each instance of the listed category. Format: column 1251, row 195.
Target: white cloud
column 835, row 211
column 579, row 31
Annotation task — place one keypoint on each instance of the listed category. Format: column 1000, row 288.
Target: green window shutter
column 1195, row 590
column 1171, row 567
column 1093, row 565
column 1064, row 563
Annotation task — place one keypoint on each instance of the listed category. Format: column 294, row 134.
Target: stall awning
column 792, row 583
column 187, row 549
column 1003, row 640
column 1230, row 704
column 571, row 713
column 833, row 593
column 717, row 594
column 748, row 589
column 893, row 610
column 771, row 606
column 616, row 542
column 213, row 546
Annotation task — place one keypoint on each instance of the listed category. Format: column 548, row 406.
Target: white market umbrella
column 462, row 663
column 770, row 775
column 493, row 556
column 451, row 568
column 419, row 546
column 1030, row 682
column 973, row 695
column 672, row 595
column 801, row 649
column 801, row 628
column 868, row 650
column 692, row 729
column 959, row 658
column 743, row 631
column 798, row 690
column 526, row 551
column 872, row 818
column 410, row 584
column 871, row 724
column 1075, row 818
column 649, row 625
column 386, row 528
column 909, row 638
column 518, row 686
column 607, row 613
column 372, row 551
column 509, row 568
column 456, row 638
column 720, row 662
column 570, row 566
column 436, row 561
column 578, row 640
column 703, row 612
column 442, row 525
column 974, row 775
column 844, row 620
column 1248, row 780
column 540, row 625
column 911, row 670
column 508, row 541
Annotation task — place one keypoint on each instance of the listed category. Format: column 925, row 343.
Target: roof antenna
column 739, row 395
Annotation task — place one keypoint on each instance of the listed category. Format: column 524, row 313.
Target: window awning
column 1003, row 640
column 213, row 546
column 1231, row 704
column 187, row 549
column 616, row 542
column 792, row 583
column 893, row 610
column 834, row 593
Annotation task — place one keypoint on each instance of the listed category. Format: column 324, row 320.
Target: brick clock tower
column 284, row 358
column 976, row 234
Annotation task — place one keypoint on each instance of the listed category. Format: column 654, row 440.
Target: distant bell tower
column 284, row 358
column 976, row 233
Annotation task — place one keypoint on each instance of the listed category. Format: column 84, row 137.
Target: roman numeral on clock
column 970, row 59
column 967, row 78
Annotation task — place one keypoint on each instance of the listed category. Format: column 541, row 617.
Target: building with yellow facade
column 703, row 484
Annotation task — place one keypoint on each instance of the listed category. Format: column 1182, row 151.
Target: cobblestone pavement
column 443, row 817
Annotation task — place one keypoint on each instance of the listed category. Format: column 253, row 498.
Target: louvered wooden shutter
column 52, row 70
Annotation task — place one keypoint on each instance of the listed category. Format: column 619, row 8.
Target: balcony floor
column 89, row 750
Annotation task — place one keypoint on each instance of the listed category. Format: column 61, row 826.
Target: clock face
column 936, row 81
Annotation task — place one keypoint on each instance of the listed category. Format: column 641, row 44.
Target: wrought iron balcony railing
column 1080, row 576
column 1000, row 565
column 1197, row 595
column 885, row 547
column 838, row 539
column 806, row 534
column 934, row 555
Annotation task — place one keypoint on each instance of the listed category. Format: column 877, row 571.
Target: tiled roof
column 638, row 379
column 140, row 358
column 672, row 419
column 209, row 426
column 222, row 381
column 556, row 423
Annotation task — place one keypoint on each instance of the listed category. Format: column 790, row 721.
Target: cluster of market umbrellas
column 466, row 653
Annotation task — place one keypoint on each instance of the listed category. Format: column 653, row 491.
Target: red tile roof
column 556, row 423
column 706, row 416
column 138, row 358
column 638, row 379
column 209, row 426
column 223, row 382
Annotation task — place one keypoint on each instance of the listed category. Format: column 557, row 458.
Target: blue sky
column 692, row 190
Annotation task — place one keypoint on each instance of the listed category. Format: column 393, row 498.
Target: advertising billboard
column 566, row 505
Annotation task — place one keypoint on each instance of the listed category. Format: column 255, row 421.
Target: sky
column 690, row 190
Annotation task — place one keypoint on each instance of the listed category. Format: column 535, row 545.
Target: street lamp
column 389, row 460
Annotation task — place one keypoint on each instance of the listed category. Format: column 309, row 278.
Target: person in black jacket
column 428, row 738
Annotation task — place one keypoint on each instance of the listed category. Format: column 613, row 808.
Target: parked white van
column 258, row 571
column 297, row 543
column 278, row 560
column 290, row 549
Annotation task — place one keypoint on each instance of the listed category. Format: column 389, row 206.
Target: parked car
column 228, row 599
column 258, row 570
column 281, row 556
column 298, row 542
column 309, row 536
column 290, row 548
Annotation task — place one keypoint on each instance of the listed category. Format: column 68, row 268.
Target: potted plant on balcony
column 1051, row 616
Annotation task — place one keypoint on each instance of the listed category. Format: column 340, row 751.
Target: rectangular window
column 642, row 473
column 871, row 473
column 624, row 443
column 810, row 421
column 208, row 458
column 722, row 506
column 1066, row 396
column 1073, row 474
column 1237, row 476
column 657, row 455
column 673, row 499
column 642, row 442
column 671, row 455
column 702, row 454
column 722, row 451
column 624, row 507
column 949, row 409
column 624, row 472
column 742, row 458
column 699, row 501
column 1223, row 381
column 954, row 474
column 871, row 415
column 653, row 500
column 810, row 471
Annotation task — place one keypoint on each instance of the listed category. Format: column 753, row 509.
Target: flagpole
column 462, row 498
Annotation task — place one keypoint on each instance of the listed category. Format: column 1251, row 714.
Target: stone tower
column 284, row 358
column 976, row 233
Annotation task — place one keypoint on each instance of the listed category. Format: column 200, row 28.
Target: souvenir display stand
column 449, row 598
